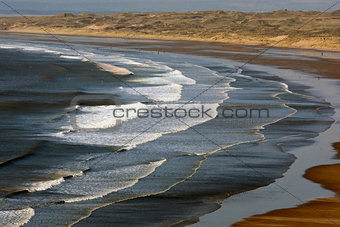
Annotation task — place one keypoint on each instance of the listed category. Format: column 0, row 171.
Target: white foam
column 28, row 48
column 114, row 59
column 15, row 218
column 169, row 75
column 176, row 76
column 43, row 185
column 96, row 184
column 101, row 117
column 127, row 61
column 126, row 140
column 72, row 57
column 66, row 173
column 170, row 82
column 134, row 131
column 164, row 93
column 35, row 186
column 84, row 56
column 173, row 77
column 4, row 46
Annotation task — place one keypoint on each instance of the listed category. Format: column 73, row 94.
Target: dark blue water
column 161, row 171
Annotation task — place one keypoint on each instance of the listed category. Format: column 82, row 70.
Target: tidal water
column 64, row 161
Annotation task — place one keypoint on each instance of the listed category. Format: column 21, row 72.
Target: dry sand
column 299, row 29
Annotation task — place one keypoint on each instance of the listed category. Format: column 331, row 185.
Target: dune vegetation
column 305, row 29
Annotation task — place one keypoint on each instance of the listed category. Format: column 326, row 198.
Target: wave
column 170, row 80
column 134, row 131
column 73, row 57
column 69, row 54
column 162, row 93
column 101, row 117
column 14, row 218
column 126, row 61
column 96, row 170
column 34, row 186
column 176, row 76
column 43, row 185
column 96, row 184
column 173, row 76
column 29, row 47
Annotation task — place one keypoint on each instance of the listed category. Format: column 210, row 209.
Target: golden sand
column 318, row 212
column 298, row 29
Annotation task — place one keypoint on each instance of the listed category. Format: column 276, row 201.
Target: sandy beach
column 280, row 27
column 318, row 212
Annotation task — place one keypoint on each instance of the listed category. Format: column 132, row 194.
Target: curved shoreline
column 322, row 211
column 264, row 199
column 161, row 38
column 188, row 221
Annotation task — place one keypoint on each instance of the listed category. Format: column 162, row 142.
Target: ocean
column 66, row 159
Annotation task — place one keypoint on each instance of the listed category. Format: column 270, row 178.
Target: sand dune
column 306, row 29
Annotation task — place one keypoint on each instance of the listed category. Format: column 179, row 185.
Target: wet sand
column 114, row 69
column 326, row 67
column 318, row 212
column 320, row 62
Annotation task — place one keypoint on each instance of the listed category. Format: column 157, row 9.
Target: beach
column 285, row 193
column 105, row 177
column 322, row 211
column 280, row 27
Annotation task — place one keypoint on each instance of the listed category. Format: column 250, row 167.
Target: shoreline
column 254, row 202
column 295, row 66
column 328, row 208
column 325, row 66
column 268, row 198
column 319, row 72
column 163, row 38
column 297, row 29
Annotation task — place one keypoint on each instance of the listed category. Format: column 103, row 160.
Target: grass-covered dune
column 294, row 28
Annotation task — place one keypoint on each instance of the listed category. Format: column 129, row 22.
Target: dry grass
column 225, row 26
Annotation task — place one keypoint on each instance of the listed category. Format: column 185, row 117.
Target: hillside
column 225, row 26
